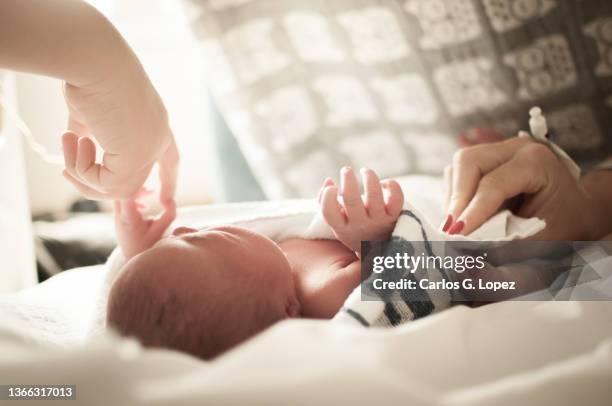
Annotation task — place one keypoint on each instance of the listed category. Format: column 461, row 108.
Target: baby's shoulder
column 322, row 254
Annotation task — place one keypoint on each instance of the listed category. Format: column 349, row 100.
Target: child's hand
column 135, row 233
column 353, row 218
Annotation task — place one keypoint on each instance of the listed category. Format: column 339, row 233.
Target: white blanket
column 528, row 353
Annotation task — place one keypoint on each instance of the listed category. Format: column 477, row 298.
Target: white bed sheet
column 544, row 353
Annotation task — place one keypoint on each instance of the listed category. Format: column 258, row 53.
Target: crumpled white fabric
column 528, row 353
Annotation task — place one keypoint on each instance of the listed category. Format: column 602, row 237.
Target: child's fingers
column 351, row 195
column 167, row 217
column 326, row 182
column 375, row 203
column 142, row 207
column 117, row 207
column 331, row 209
column 395, row 198
column 130, row 211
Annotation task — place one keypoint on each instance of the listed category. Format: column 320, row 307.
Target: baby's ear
column 293, row 308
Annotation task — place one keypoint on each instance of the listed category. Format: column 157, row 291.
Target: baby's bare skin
column 234, row 282
column 325, row 272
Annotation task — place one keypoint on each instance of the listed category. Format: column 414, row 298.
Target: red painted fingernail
column 447, row 223
column 456, row 228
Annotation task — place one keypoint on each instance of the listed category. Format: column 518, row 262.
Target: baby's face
column 227, row 250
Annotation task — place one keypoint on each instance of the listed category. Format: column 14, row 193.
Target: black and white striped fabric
column 584, row 272
column 382, row 308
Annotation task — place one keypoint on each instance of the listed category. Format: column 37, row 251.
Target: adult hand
column 483, row 178
column 127, row 118
column 478, row 135
column 109, row 95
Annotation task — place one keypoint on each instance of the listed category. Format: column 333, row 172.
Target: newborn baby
column 204, row 291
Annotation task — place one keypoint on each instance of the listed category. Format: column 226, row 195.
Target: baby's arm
column 136, row 234
column 354, row 218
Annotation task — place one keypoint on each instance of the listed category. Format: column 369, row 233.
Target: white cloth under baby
column 504, row 226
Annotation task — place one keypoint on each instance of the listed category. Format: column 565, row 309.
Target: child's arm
column 108, row 93
column 136, row 234
column 354, row 218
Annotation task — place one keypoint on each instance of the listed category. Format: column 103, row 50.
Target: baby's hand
column 354, row 218
column 136, row 234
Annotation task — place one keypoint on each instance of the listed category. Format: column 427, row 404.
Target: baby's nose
column 182, row 230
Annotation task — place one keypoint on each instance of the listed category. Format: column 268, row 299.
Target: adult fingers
column 86, row 160
column 70, row 142
column 95, row 181
column 98, row 176
column 448, row 189
column 479, row 135
column 83, row 189
column 351, row 195
column 375, row 203
column 77, row 127
column 511, row 179
column 168, row 172
column 471, row 164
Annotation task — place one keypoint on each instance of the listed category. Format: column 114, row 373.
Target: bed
column 544, row 353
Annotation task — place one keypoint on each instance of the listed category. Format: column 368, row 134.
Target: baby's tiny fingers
column 395, row 198
column 117, row 207
column 331, row 209
column 166, row 218
column 326, row 182
column 351, row 196
column 375, row 203
column 130, row 211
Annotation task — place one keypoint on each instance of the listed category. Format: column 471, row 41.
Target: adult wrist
column 596, row 186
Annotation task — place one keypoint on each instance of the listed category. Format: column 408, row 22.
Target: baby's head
column 203, row 292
